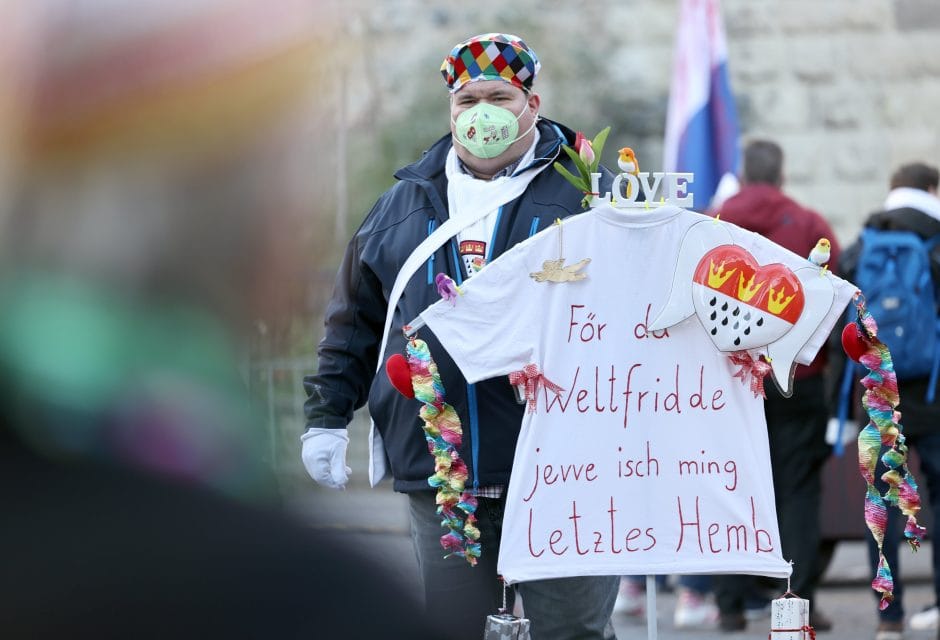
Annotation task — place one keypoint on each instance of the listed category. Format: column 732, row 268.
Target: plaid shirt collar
column 504, row 172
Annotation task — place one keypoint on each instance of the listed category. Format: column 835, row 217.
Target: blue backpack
column 893, row 274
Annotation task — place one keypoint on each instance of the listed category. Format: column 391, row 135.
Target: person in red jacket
column 796, row 425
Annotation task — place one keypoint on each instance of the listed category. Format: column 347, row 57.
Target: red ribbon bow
column 531, row 378
column 753, row 369
column 805, row 629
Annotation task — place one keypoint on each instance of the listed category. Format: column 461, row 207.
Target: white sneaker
column 694, row 611
column 631, row 599
column 926, row 619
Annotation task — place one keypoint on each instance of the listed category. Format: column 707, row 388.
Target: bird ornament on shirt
column 820, row 253
column 628, row 163
column 556, row 271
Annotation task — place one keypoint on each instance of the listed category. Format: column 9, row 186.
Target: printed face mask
column 486, row 130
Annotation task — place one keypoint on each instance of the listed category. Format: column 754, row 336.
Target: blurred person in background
column 911, row 205
column 153, row 162
column 507, row 174
column 796, row 425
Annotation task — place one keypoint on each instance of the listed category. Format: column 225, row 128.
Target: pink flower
column 578, row 139
column 587, row 153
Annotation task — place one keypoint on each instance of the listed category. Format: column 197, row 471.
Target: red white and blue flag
column 702, row 122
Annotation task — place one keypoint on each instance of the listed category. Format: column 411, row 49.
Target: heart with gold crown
column 743, row 304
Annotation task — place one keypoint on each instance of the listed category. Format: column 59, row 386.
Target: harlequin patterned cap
column 491, row 56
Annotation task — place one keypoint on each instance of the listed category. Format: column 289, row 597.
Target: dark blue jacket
column 403, row 217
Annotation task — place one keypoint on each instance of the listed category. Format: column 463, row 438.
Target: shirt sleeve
column 490, row 329
column 348, row 352
column 842, row 292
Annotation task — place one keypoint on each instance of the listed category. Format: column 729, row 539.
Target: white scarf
column 467, row 195
column 915, row 199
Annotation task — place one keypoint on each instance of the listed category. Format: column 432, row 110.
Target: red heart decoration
column 396, row 368
column 732, row 270
column 854, row 342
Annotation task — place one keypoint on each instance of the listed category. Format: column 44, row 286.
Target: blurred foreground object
column 147, row 217
column 150, row 215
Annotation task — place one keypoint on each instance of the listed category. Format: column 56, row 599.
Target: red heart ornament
column 396, row 368
column 743, row 304
column 854, row 342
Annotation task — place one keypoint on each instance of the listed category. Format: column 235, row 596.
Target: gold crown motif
column 746, row 292
column 717, row 277
column 776, row 302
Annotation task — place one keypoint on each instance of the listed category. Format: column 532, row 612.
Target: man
column 911, row 205
column 796, row 425
column 496, row 163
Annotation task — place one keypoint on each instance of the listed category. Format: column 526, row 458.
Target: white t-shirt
column 654, row 459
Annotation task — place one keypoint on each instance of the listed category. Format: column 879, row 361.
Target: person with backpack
column 896, row 265
column 796, row 426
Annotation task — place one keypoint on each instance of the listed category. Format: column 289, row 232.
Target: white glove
column 324, row 456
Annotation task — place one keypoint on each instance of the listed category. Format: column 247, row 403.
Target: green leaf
column 579, row 163
column 560, row 168
column 598, row 145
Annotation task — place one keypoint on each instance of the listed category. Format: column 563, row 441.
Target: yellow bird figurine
column 628, row 164
column 820, row 253
column 627, row 161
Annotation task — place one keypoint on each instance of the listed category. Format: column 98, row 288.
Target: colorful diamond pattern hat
column 491, row 56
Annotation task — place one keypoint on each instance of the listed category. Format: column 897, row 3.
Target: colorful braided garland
column 443, row 432
column 884, row 429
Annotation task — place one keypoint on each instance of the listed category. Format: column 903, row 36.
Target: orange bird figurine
column 628, row 163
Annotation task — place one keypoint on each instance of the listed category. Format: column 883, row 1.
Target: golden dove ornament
column 556, row 271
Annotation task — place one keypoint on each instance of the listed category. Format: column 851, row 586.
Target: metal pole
column 651, row 607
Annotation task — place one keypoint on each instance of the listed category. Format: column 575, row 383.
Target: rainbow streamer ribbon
column 443, row 432
column 884, row 430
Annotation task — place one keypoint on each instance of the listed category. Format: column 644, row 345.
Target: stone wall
column 849, row 88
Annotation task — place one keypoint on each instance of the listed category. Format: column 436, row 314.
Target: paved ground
column 379, row 518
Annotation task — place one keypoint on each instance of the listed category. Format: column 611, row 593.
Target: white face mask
column 486, row 130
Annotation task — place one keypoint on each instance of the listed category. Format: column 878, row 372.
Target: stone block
column 811, row 16
column 632, row 68
column 747, row 20
column 855, row 159
column 781, row 106
column 845, row 105
column 915, row 15
column 803, row 152
column 756, row 61
column 913, row 143
column 814, row 59
column 654, row 20
column 905, row 102
column 925, row 48
column 893, row 55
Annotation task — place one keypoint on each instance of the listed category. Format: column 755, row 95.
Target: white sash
column 487, row 197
